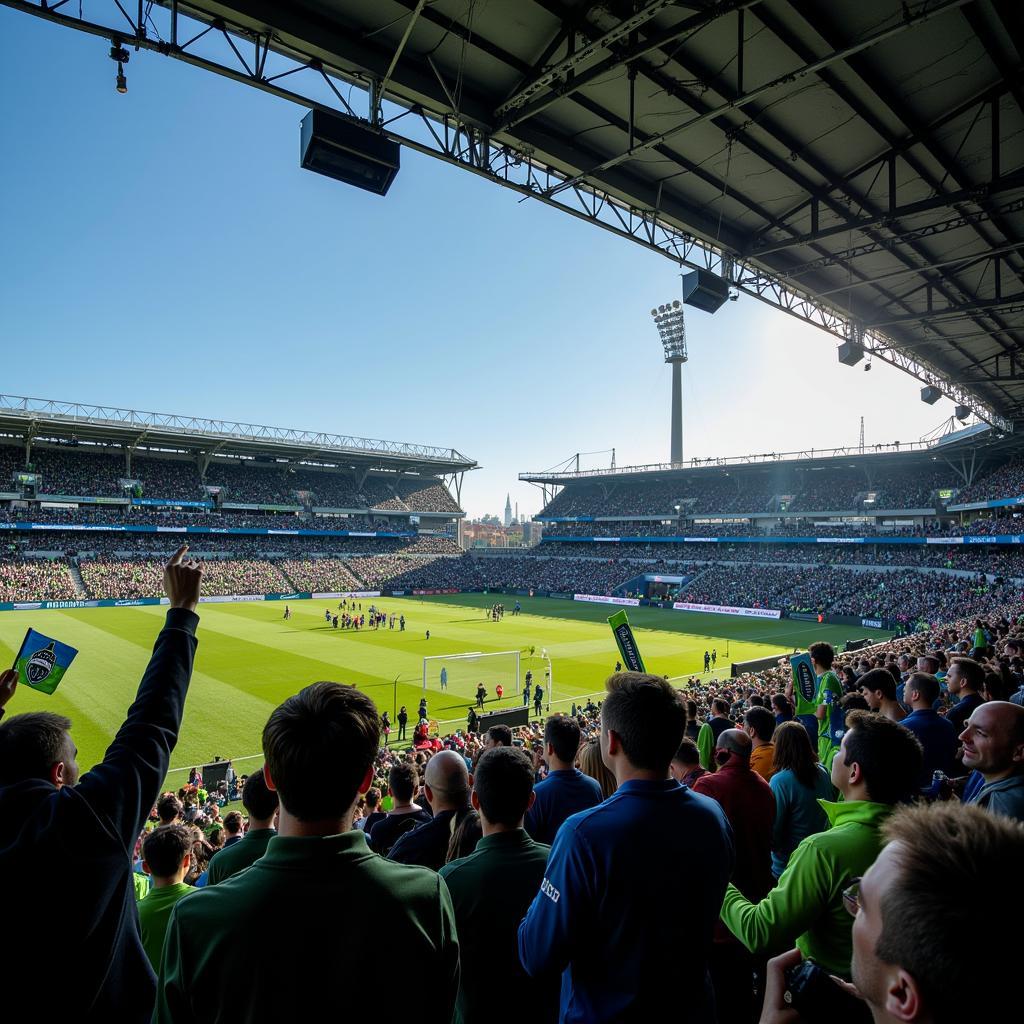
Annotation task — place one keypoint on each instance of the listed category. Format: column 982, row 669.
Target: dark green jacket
column 491, row 890
column 301, row 929
column 238, row 856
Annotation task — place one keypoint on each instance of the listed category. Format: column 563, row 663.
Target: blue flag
column 42, row 662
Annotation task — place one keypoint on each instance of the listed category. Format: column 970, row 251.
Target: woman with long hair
column 590, row 763
column 798, row 783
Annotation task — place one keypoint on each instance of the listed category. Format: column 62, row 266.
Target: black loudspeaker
column 348, row 152
column 850, row 353
column 930, row 394
column 704, row 290
column 962, row 413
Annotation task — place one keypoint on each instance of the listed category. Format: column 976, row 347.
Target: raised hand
column 181, row 580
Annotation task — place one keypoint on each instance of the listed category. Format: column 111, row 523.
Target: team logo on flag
column 806, row 680
column 40, row 664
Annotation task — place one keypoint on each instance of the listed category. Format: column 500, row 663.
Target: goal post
column 462, row 673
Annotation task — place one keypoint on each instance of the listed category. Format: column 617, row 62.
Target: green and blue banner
column 42, row 661
column 626, row 642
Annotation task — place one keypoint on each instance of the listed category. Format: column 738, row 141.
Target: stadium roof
column 971, row 447
column 44, row 418
column 860, row 165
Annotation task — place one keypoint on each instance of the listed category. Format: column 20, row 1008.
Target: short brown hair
column 957, row 864
column 890, row 756
column 318, row 746
column 648, row 715
column 233, row 823
column 30, row 744
column 403, row 780
column 164, row 849
column 970, row 672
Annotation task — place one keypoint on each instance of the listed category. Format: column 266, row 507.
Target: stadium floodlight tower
column 668, row 318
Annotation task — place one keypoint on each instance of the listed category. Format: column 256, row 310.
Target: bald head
column 737, row 742
column 993, row 739
column 447, row 782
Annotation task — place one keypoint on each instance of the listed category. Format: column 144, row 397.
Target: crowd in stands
column 320, row 575
column 978, row 558
column 33, row 579
column 1005, row 481
column 794, row 490
column 124, row 580
column 87, row 471
column 728, row 846
column 906, row 598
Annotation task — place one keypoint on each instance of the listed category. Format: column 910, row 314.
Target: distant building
column 508, row 511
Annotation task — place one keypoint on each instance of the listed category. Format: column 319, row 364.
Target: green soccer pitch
column 249, row 659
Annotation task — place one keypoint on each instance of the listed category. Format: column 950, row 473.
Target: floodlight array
column 668, row 318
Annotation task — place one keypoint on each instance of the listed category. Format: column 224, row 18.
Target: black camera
column 816, row 997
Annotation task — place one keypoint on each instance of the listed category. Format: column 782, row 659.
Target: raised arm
column 123, row 788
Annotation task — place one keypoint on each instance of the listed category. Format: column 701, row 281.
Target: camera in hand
column 816, row 997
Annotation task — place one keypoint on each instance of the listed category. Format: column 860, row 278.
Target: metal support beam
column 982, row 305
column 870, row 40
column 989, row 190
column 383, row 88
column 571, row 63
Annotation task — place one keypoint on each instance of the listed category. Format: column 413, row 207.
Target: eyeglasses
column 851, row 898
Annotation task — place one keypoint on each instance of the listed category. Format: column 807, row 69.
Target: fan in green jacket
column 877, row 766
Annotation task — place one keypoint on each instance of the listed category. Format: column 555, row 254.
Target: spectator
column 759, row 725
column 50, row 820
column 719, row 720
column 600, row 912
column 827, row 695
column 169, row 809
column 591, row 764
column 166, row 858
column 566, row 790
column 498, row 736
column 936, row 734
column 685, row 767
column 317, row 883
column 799, row 783
column 750, row 808
column 994, row 749
column 964, row 680
column 261, row 803
column 446, row 786
column 465, row 837
column 879, row 689
column 403, row 780
column 911, row 916
column 491, row 890
column 233, row 829
column 373, row 813
column 877, row 766
column 782, row 708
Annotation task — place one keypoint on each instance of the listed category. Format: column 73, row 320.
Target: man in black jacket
column 66, row 844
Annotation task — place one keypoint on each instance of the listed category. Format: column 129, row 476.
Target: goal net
column 461, row 674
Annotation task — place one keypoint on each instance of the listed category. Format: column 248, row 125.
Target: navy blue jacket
column 427, row 844
column 939, row 740
column 563, row 793
column 67, row 857
column 618, row 910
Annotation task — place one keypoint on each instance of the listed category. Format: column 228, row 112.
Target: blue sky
column 163, row 250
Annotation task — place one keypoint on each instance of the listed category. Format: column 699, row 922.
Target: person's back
column 798, row 811
column 629, row 850
column 750, row 808
column 66, row 845
column 261, row 803
column 166, row 854
column 616, row 910
column 491, row 890
column 937, row 736
column 566, row 790
column 279, row 940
